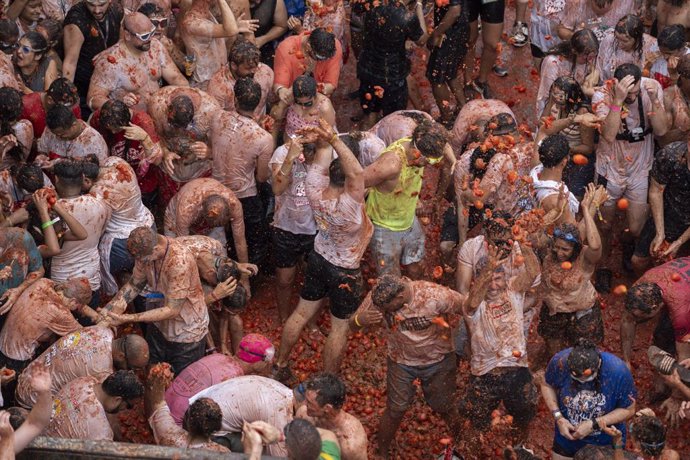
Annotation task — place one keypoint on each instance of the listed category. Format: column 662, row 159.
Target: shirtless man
column 243, row 61
column 669, row 12
column 414, row 315
column 115, row 182
column 335, row 189
column 42, row 312
column 81, row 408
column 183, row 117
column 68, row 137
column 92, row 351
column 175, row 305
column 205, row 38
column 325, row 396
column 241, row 150
column 205, row 206
column 132, row 69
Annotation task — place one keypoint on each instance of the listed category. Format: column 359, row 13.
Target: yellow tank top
column 395, row 210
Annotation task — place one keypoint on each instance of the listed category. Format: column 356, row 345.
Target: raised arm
column 592, row 251
column 40, row 414
column 480, row 286
column 612, row 122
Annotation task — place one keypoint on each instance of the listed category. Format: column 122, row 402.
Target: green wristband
column 45, row 225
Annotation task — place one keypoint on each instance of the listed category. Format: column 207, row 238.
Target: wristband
column 615, row 108
column 45, row 225
column 557, row 415
column 357, row 321
column 617, row 446
column 333, row 139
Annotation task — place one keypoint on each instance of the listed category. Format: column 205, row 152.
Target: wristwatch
column 595, row 425
column 557, row 414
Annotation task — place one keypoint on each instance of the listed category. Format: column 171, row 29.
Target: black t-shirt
column 97, row 37
column 440, row 12
column 670, row 169
column 386, row 28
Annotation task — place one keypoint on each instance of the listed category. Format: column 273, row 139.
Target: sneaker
column 520, row 35
column 666, row 364
column 500, row 71
column 481, row 88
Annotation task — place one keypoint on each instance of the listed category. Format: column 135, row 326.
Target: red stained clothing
column 290, row 63
column 34, row 111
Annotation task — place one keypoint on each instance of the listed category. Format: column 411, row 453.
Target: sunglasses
column 144, row 37
column 569, row 237
column 8, row 46
column 308, row 103
column 160, row 23
column 26, row 49
column 434, row 161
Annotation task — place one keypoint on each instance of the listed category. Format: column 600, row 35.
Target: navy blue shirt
column 612, row 388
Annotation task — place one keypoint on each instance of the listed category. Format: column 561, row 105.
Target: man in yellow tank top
column 394, row 181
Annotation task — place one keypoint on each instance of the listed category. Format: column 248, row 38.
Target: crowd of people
column 164, row 160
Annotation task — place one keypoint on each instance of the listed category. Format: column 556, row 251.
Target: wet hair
column 11, row 108
column 302, row 439
column 247, row 93
column 90, row 166
column 114, row 114
column 322, row 43
column 336, row 173
column 429, row 139
column 574, row 97
column 650, row 432
column 416, row 116
column 602, row 3
column 63, row 91
column 181, row 111
column 244, row 52
column 553, row 149
column 583, row 356
column 626, row 69
column 38, row 42
column 642, row 297
column 631, row 25
column 141, row 241
column 386, row 289
column 503, row 123
column 8, row 30
column 672, row 37
column 69, row 171
column 582, row 41
column 17, row 416
column 77, row 288
column 60, row 117
column 567, row 228
column 352, row 143
column 329, row 389
column 203, row 417
column 217, row 202
column 227, row 268
column 30, row 177
column 479, row 154
column 125, row 384
column 149, row 9
column 53, row 29
column 304, row 86
column 499, row 222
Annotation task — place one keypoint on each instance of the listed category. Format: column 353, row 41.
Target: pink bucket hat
column 254, row 348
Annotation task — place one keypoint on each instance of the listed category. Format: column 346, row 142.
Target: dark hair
column 485, row 156
column 123, row 383
column 247, row 93
column 63, row 91
column 149, row 9
column 322, row 43
column 213, row 201
column 650, row 432
column 352, row 143
column 90, row 166
column 626, row 69
column 672, row 37
column 582, row 41
column 501, row 124
column 38, row 42
column 244, row 52
column 11, row 108
column 553, row 149
column 304, row 86
column 17, row 416
column 642, row 296
column 30, row 177
column 602, row 3
column 500, row 221
column 329, row 389
column 181, row 111
column 336, row 173
column 416, row 116
column 60, row 117
column 8, row 29
column 584, row 355
column 574, row 97
column 676, row 2
column 53, row 29
column 385, row 290
column 631, row 25
column 141, row 241
column 429, row 139
column 567, row 228
column 203, row 417
column 302, row 439
column 227, row 268
column 69, row 171
column 114, row 114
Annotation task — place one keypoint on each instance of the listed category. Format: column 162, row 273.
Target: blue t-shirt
column 584, row 401
column 19, row 252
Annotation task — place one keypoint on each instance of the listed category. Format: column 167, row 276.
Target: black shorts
column 672, row 232
column 491, row 13
column 664, row 336
column 568, row 327
column 288, row 247
column 342, row 286
column 394, row 96
column 179, row 355
column 512, row 385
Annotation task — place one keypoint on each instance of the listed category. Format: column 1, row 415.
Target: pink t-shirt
column 397, row 125
column 222, row 87
column 86, row 352
column 78, row 414
column 239, row 144
column 344, row 227
column 676, row 294
column 198, row 376
column 36, row 315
